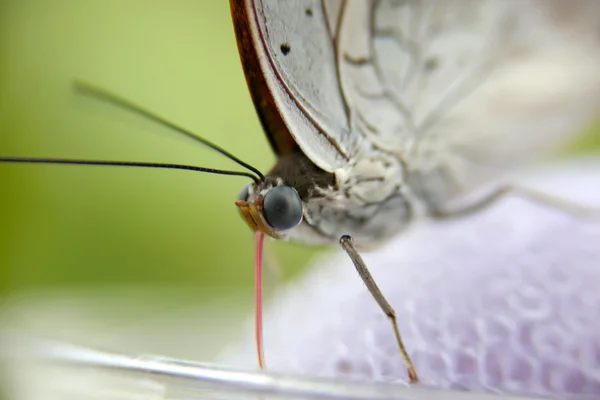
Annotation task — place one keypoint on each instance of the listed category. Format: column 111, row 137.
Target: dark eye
column 245, row 193
column 282, row 207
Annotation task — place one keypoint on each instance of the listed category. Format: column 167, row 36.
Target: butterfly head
column 281, row 204
column 299, row 201
column 270, row 207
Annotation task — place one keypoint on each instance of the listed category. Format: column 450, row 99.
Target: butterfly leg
column 348, row 245
column 570, row 207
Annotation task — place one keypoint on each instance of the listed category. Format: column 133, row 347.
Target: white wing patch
column 464, row 90
column 298, row 39
column 460, row 91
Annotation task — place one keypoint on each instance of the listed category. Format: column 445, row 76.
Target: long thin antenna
column 28, row 160
column 113, row 99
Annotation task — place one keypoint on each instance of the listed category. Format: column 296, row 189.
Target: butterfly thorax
column 366, row 199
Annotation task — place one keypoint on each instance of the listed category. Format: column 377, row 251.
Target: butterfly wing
column 464, row 91
column 287, row 50
column 460, row 90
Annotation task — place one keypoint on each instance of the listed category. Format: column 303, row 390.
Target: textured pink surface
column 506, row 300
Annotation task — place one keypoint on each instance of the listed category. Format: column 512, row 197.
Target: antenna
column 42, row 160
column 103, row 95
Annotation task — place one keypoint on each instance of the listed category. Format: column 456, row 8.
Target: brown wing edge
column 277, row 132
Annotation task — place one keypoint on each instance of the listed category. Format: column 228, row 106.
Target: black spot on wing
column 431, row 64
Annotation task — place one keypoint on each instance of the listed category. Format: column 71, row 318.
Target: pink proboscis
column 258, row 297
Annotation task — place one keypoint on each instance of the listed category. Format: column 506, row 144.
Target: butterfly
column 385, row 112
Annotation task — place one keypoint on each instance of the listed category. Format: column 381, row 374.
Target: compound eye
column 282, row 207
column 245, row 193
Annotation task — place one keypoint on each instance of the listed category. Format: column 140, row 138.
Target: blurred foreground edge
column 41, row 369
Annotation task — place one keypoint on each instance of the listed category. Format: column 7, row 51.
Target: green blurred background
column 92, row 227
column 89, row 227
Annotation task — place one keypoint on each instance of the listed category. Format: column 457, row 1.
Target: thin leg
column 348, row 245
column 545, row 199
